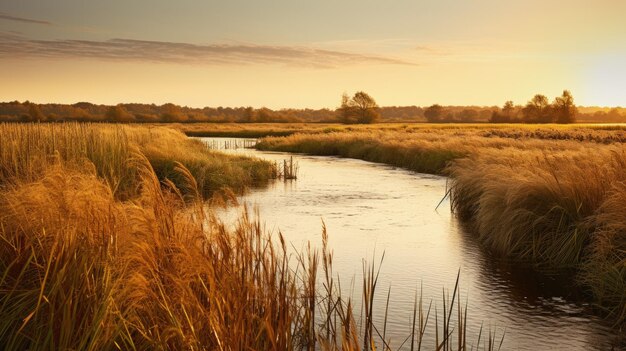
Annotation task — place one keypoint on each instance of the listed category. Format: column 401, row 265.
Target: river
column 371, row 208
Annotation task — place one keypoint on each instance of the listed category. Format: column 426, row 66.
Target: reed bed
column 423, row 150
column 554, row 197
column 100, row 249
column 364, row 145
column 81, row 269
column 26, row 150
column 556, row 210
column 578, row 132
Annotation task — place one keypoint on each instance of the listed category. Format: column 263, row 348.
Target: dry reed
column 83, row 269
column 26, row 150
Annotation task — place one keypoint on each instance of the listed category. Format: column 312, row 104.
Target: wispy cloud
column 12, row 46
column 479, row 51
column 8, row 17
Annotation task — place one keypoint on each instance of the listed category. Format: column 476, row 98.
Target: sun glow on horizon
column 209, row 53
column 605, row 80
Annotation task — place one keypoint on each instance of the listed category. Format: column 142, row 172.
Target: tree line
column 358, row 108
column 152, row 113
column 362, row 108
column 539, row 110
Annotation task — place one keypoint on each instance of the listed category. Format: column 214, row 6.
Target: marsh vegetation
column 107, row 243
column 546, row 196
column 107, row 240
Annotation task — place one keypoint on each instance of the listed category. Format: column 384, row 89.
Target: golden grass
column 421, row 150
column 553, row 196
column 605, row 268
column 562, row 209
column 26, row 150
column 541, row 131
column 84, row 271
column 81, row 269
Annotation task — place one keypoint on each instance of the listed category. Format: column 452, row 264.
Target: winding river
column 371, row 208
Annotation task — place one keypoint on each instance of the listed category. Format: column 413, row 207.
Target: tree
column 249, row 115
column 504, row 115
column 537, row 110
column 34, row 113
column 345, row 111
column 564, row 108
column 508, row 109
column 468, row 115
column 118, row 113
column 361, row 108
column 434, row 113
column 614, row 115
column 264, row 115
column 172, row 113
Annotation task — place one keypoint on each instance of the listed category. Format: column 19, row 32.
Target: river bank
column 107, row 242
column 538, row 198
column 424, row 246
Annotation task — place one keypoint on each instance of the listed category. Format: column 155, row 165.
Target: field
column 106, row 242
column 255, row 130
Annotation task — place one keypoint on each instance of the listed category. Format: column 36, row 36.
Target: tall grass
column 84, row 266
column 605, row 267
column 26, row 150
column 600, row 133
column 84, row 271
column 533, row 204
column 367, row 146
column 420, row 150
column 557, row 210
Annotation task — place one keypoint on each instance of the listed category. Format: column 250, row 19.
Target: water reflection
column 370, row 208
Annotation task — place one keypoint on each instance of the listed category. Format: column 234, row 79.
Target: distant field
column 257, row 130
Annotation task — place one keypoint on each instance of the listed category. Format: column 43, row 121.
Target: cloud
column 423, row 48
column 8, row 17
column 12, row 46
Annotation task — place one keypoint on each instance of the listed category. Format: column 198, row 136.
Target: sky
column 305, row 54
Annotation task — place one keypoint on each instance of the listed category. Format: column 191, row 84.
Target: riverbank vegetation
column 579, row 132
column 106, row 243
column 430, row 149
column 27, row 150
column 553, row 196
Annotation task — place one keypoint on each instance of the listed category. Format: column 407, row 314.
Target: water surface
column 371, row 208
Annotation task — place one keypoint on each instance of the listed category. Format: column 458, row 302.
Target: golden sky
column 295, row 53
